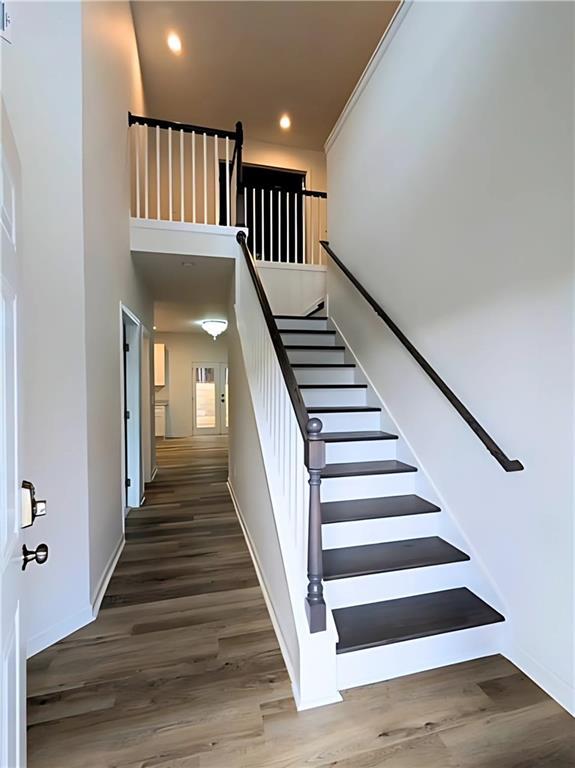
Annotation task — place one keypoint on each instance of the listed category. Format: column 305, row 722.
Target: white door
column 210, row 382
column 12, row 658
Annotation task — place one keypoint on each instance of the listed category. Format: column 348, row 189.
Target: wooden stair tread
column 343, row 409
column 389, row 556
column 306, row 330
column 408, row 618
column 331, row 347
column 323, row 365
column 359, row 468
column 333, row 386
column 372, row 509
column 356, row 437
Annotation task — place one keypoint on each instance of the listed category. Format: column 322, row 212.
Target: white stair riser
column 342, row 593
column 390, row 661
column 359, row 532
column 349, row 422
column 299, row 323
column 313, row 355
column 366, row 487
column 339, row 397
column 325, row 375
column 309, row 339
column 368, row 450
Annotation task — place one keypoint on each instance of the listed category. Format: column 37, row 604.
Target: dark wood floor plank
column 182, row 669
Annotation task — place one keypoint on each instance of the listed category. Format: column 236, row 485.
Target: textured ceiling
column 253, row 61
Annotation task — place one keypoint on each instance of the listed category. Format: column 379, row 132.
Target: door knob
column 31, row 506
column 40, row 555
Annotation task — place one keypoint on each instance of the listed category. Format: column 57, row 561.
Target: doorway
column 131, row 410
column 210, row 398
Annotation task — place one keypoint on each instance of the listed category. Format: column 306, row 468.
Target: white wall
column 111, row 86
column 42, row 89
column 310, row 161
column 292, row 290
column 183, row 349
column 451, row 198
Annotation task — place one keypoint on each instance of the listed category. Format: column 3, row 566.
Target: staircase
column 402, row 596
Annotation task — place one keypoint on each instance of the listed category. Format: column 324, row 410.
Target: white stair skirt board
column 368, row 487
column 333, row 397
column 367, row 450
column 380, row 530
column 327, row 375
column 387, row 662
column 356, row 421
column 309, row 339
column 315, row 355
column 301, row 324
column 376, row 587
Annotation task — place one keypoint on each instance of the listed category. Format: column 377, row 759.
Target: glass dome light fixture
column 214, row 327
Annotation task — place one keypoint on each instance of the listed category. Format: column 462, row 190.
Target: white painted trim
column 58, row 631
column 187, row 226
column 259, row 573
column 372, row 65
column 558, row 689
column 100, row 590
column 291, row 267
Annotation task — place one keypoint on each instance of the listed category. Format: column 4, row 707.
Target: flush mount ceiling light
column 174, row 43
column 285, row 122
column 214, row 327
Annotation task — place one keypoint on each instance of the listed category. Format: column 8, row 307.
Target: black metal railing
column 509, row 465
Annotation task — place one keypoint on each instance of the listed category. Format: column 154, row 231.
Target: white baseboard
column 282, row 644
column 558, row 689
column 58, row 631
column 102, row 586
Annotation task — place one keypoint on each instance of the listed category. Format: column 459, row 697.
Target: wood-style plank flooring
column 182, row 669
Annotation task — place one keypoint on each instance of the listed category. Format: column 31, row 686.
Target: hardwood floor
column 182, row 669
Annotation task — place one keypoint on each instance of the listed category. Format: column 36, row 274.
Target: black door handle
column 40, row 555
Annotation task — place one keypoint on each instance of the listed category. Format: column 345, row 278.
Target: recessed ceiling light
column 174, row 43
column 154, row 327
column 285, row 122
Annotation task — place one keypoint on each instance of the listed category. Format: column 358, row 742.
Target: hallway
column 182, row 668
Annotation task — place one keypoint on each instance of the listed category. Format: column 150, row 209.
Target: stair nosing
column 332, row 386
column 357, row 573
column 406, row 498
column 332, row 348
column 367, row 436
column 496, row 617
column 401, row 469
column 307, row 330
column 343, row 409
column 323, row 365
column 298, row 317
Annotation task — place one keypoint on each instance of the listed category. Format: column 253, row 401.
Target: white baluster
column 146, row 175
column 170, row 176
column 304, row 228
column 194, row 176
column 254, row 242
column 296, row 217
column 137, row 151
column 216, row 182
column 271, row 227
column 205, row 180
column 287, row 226
column 262, row 217
column 245, row 207
column 311, row 229
column 182, row 207
column 279, row 226
column 158, row 176
column 228, row 181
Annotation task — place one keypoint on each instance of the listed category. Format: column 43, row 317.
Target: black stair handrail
column 509, row 465
column 310, row 429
